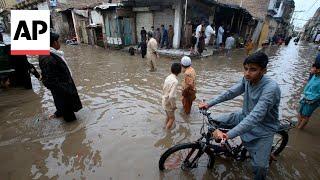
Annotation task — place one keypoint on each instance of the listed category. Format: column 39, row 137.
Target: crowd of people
column 198, row 38
column 162, row 35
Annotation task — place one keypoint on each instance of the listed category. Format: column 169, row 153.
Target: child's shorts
column 306, row 108
column 170, row 114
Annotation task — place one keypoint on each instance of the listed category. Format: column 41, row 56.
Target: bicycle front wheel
column 280, row 140
column 186, row 157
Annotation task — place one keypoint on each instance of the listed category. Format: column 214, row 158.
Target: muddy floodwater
column 119, row 133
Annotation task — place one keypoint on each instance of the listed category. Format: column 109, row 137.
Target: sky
column 308, row 6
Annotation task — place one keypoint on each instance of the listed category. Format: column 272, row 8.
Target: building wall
column 96, row 18
column 257, row 8
column 81, row 24
column 264, row 32
column 273, row 26
column 143, row 19
column 2, row 4
column 165, row 17
column 7, row 4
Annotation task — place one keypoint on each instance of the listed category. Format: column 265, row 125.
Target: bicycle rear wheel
column 186, row 156
column 280, row 140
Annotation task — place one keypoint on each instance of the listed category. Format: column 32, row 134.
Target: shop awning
column 108, row 6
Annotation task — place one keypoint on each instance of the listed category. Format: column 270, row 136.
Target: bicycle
column 207, row 145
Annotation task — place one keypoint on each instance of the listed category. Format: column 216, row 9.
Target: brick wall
column 7, row 4
column 257, row 8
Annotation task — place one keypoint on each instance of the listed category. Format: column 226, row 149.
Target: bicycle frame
column 237, row 152
column 205, row 145
column 224, row 147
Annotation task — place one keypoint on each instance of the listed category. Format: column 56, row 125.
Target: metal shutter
column 143, row 19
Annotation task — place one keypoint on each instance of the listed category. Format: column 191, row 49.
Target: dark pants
column 143, row 53
column 164, row 42
column 63, row 106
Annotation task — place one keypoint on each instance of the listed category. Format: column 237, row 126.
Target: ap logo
column 30, row 32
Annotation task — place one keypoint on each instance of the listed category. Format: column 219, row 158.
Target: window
column 277, row 5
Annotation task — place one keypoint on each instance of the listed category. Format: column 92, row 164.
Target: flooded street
column 119, row 133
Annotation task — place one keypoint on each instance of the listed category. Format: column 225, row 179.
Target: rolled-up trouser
column 152, row 63
column 188, row 96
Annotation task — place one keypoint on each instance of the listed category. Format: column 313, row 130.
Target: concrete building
column 155, row 13
column 280, row 13
column 312, row 27
column 118, row 24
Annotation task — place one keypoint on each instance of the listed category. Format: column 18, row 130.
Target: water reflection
column 120, row 135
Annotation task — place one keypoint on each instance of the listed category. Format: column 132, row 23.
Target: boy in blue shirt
column 311, row 97
column 258, row 120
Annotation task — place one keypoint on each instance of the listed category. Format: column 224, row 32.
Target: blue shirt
column 260, row 111
column 164, row 33
column 312, row 90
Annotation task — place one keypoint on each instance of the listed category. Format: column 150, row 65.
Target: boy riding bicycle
column 258, row 121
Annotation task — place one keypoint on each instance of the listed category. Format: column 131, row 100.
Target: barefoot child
column 170, row 93
column 311, row 97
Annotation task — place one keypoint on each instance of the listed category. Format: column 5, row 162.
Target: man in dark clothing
column 143, row 34
column 56, row 76
column 22, row 69
column 1, row 37
column 143, row 46
column 170, row 36
column 201, row 43
column 164, row 36
column 287, row 40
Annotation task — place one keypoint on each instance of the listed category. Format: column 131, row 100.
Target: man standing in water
column 152, row 54
column 56, row 76
column 258, row 121
column 220, row 35
column 188, row 84
column 143, row 34
column 170, row 36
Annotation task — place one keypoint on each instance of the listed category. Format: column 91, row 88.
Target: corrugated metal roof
column 108, row 5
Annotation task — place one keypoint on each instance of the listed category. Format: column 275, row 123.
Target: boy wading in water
column 170, row 94
column 258, row 121
column 311, row 97
column 188, row 84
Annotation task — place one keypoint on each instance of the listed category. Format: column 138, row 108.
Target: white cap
column 186, row 61
column 318, row 48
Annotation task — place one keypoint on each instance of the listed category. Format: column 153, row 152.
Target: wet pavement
column 120, row 135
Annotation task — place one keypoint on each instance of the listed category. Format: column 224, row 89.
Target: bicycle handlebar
column 211, row 121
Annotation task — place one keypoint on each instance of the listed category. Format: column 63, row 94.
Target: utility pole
column 185, row 12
